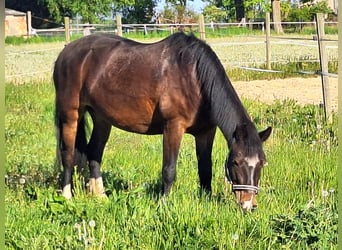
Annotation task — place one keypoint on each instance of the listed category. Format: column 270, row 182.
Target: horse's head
column 244, row 163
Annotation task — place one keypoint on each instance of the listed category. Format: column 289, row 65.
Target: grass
column 297, row 203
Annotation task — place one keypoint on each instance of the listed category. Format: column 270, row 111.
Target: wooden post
column 118, row 25
column 323, row 60
column 29, row 23
column 67, row 29
column 201, row 26
column 268, row 41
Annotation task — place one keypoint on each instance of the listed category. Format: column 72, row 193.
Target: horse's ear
column 265, row 134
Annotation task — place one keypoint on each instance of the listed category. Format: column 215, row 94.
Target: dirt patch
column 303, row 90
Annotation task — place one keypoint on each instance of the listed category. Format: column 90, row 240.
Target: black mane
column 226, row 108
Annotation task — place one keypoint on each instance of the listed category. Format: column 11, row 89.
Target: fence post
column 67, row 29
column 201, row 26
column 324, row 69
column 268, row 41
column 29, row 23
column 118, row 25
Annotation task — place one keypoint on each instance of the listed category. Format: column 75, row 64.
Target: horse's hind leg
column 68, row 127
column 204, row 145
column 98, row 140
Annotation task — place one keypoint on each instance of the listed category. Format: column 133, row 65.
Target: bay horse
column 170, row 87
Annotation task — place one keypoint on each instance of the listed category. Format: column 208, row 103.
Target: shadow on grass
column 152, row 189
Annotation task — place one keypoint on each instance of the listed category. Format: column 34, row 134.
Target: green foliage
column 227, row 5
column 214, row 14
column 306, row 125
column 136, row 11
column 15, row 40
column 91, row 10
column 314, row 226
column 293, row 211
column 307, row 12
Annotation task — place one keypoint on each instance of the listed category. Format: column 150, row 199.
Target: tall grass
column 297, row 203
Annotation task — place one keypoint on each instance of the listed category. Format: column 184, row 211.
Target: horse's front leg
column 204, row 146
column 172, row 137
column 95, row 148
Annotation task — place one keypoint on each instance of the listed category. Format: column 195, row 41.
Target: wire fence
column 247, row 53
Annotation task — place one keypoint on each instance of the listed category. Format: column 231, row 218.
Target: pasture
column 297, row 202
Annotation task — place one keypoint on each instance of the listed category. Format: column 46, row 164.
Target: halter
column 238, row 187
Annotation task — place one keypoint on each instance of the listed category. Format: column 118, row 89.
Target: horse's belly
column 139, row 127
column 138, row 117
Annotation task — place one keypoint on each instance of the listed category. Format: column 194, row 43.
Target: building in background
column 15, row 23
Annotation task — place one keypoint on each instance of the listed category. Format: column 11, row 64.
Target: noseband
column 238, row 187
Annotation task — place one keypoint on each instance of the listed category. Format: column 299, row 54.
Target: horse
column 171, row 87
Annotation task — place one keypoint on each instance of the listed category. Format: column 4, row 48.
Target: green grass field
column 298, row 197
column 297, row 202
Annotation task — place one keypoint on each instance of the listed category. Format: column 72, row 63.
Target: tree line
column 50, row 13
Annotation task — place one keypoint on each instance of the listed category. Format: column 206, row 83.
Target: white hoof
column 67, row 192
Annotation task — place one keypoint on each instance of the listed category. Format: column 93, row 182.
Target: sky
column 196, row 5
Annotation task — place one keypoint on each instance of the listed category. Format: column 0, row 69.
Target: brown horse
column 170, row 87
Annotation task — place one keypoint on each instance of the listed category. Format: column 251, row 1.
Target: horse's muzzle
column 246, row 199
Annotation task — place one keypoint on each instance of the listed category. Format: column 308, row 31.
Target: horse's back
column 134, row 86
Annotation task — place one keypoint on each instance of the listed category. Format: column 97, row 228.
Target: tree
column 276, row 14
column 240, row 9
column 138, row 11
column 234, row 9
column 214, row 14
column 91, row 11
column 180, row 7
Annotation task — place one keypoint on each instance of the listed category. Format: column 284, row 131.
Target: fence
column 204, row 29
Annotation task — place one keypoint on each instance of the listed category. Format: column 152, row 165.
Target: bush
column 307, row 12
column 313, row 225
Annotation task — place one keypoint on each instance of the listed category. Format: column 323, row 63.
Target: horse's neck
column 230, row 113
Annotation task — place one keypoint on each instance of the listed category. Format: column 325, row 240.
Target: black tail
column 80, row 158
column 57, row 169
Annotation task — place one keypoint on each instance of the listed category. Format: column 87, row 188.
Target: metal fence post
column 268, row 41
column 324, row 69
